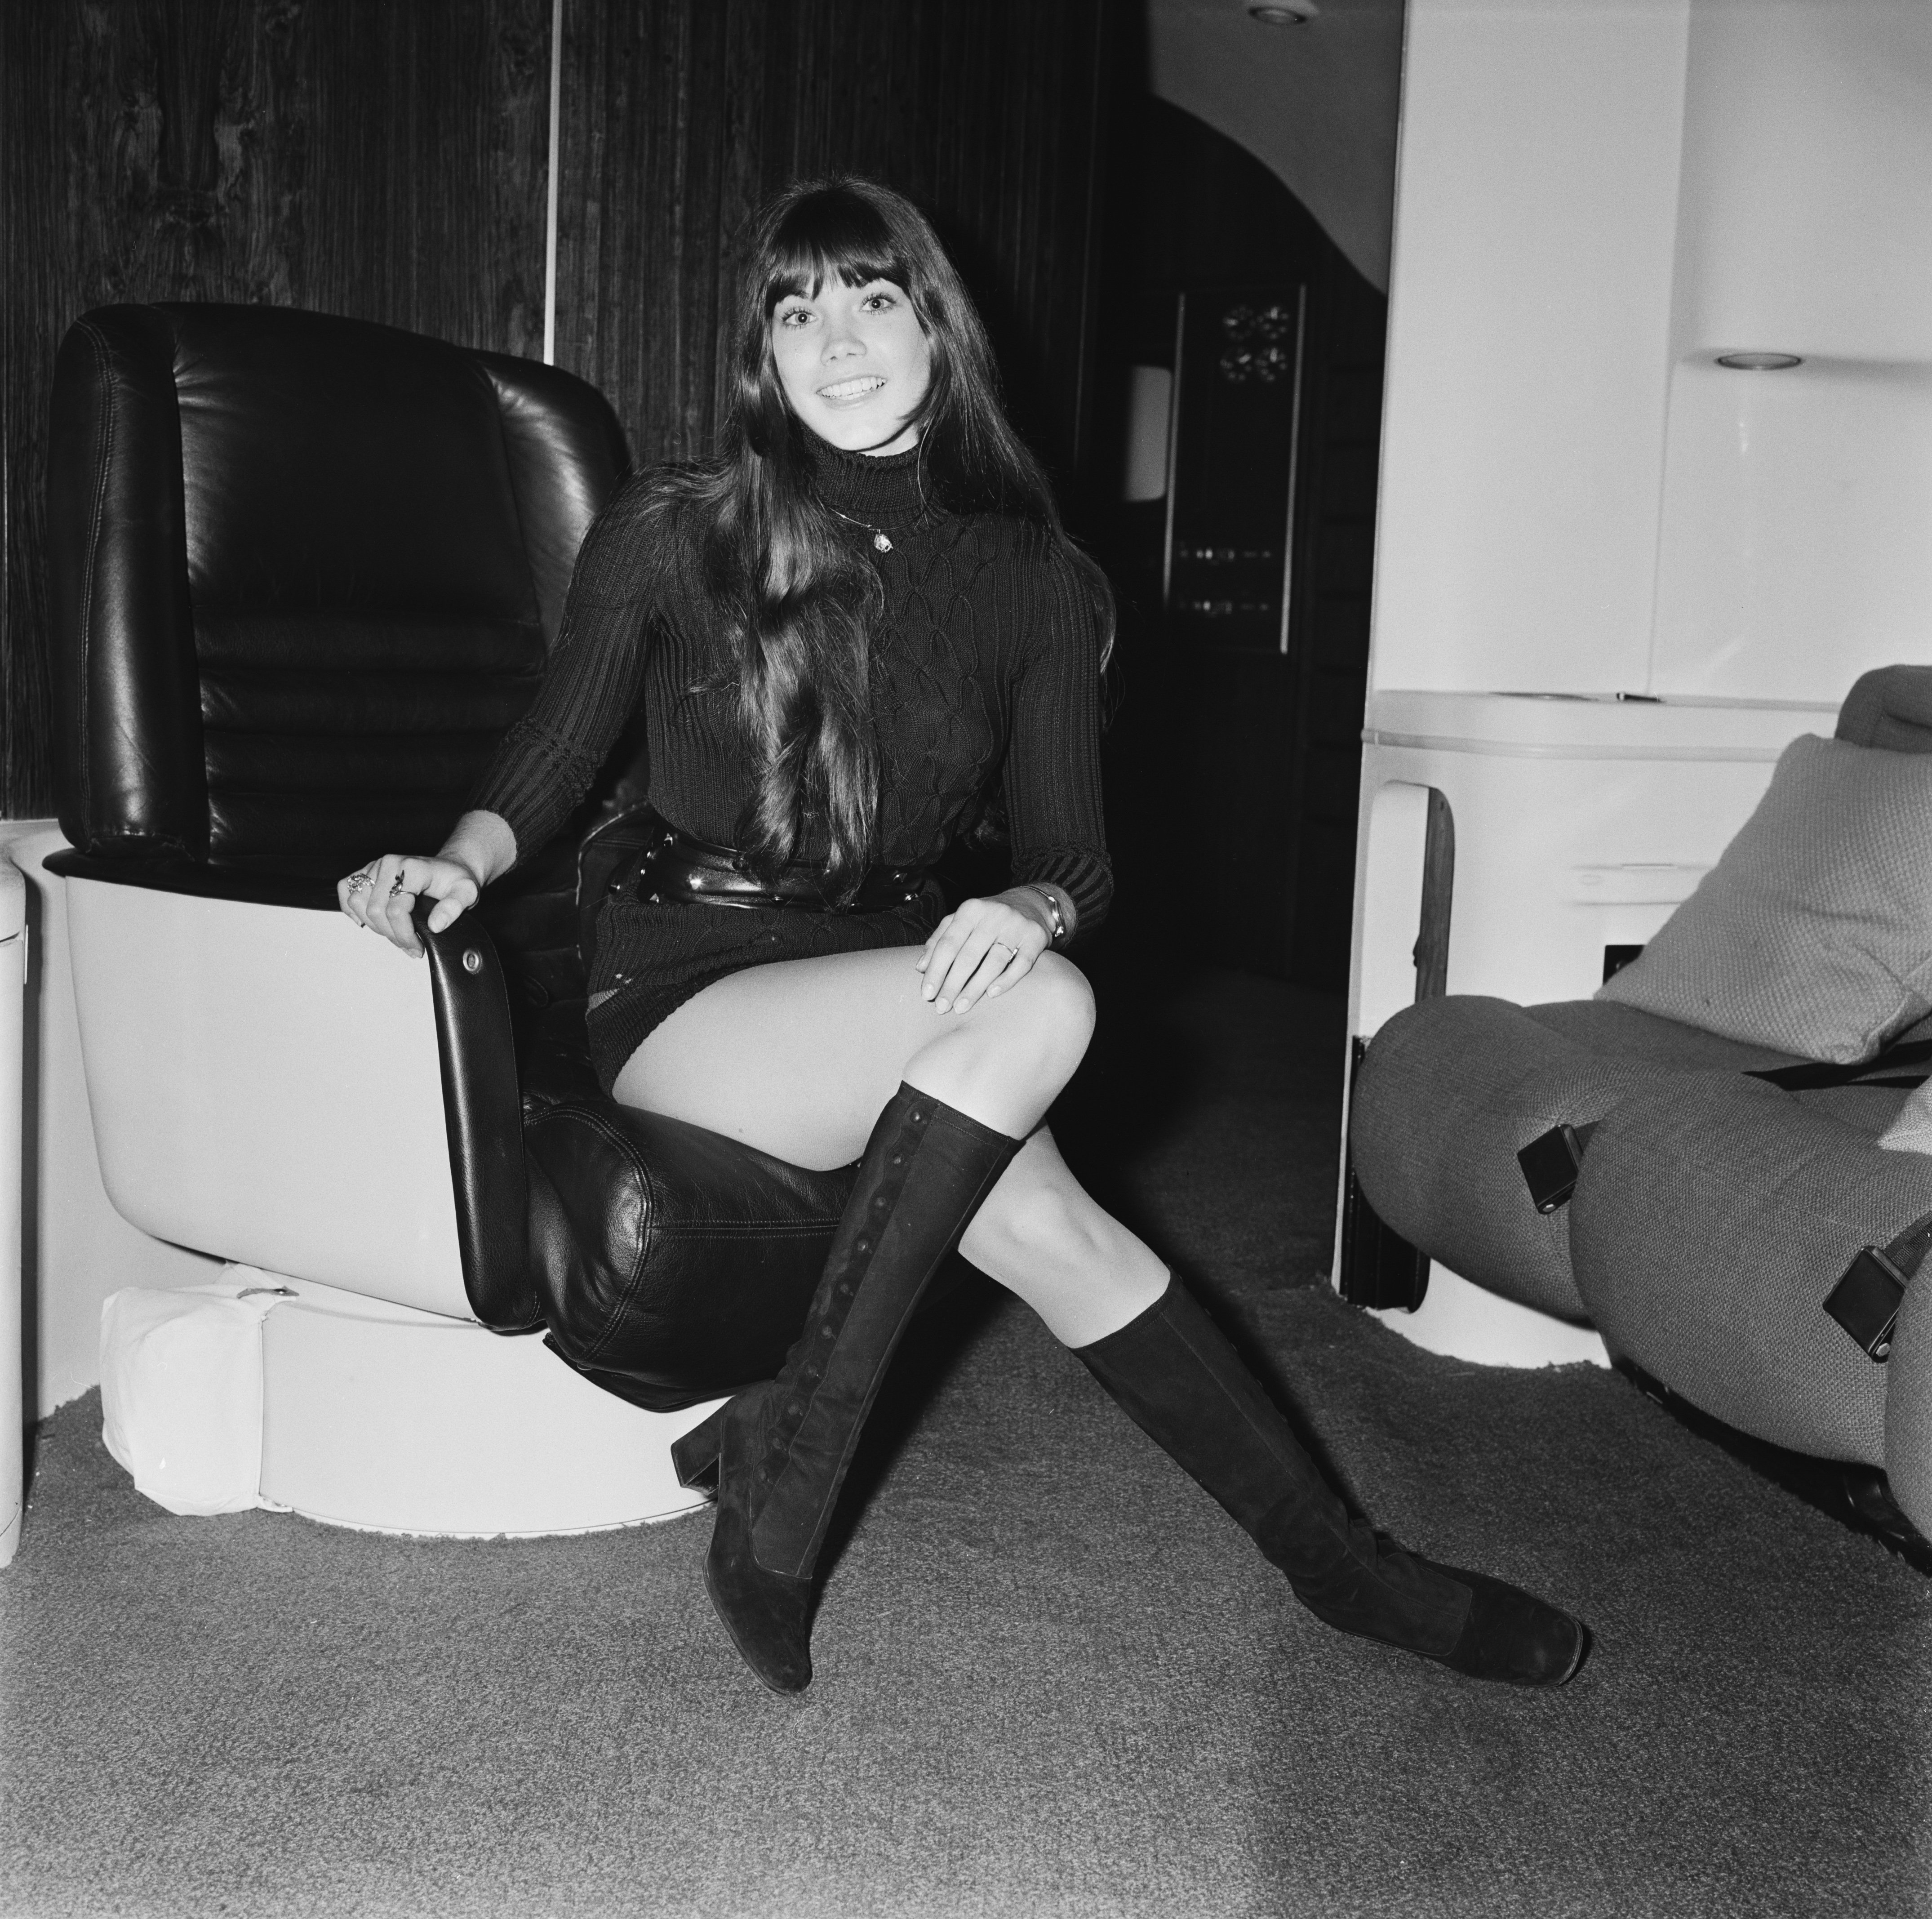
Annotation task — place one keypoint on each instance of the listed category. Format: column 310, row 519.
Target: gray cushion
column 1625, row 1032
column 1713, row 1216
column 1889, row 706
column 1908, row 1408
column 1452, row 1088
column 1911, row 1132
column 1813, row 931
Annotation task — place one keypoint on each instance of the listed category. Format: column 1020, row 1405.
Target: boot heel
column 694, row 1457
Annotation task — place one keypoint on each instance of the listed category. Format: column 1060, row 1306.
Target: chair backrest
column 1890, row 706
column 305, row 572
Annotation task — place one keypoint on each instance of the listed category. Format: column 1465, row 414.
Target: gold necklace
column 879, row 539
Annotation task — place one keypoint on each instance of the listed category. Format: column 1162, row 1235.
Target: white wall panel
column 1523, row 456
column 1794, row 550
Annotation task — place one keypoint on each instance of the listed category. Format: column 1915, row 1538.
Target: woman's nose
column 842, row 337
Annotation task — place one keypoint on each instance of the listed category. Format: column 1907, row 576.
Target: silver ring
column 359, row 885
column 1003, row 946
column 399, row 887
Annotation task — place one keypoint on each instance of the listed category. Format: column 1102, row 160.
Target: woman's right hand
column 382, row 895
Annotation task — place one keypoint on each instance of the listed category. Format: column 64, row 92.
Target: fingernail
column 944, row 1006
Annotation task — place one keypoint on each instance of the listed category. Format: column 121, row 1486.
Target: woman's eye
column 794, row 316
column 878, row 303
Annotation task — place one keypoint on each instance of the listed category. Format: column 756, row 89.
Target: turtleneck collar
column 876, row 490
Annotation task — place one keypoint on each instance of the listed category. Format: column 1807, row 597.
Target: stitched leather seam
column 103, row 453
column 747, row 1229
column 597, row 1123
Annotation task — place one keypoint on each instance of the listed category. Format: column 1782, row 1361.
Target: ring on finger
column 359, row 885
column 399, row 887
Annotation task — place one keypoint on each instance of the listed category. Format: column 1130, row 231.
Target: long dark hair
column 799, row 600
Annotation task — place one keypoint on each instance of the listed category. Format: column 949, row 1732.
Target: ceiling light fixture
column 1759, row 363
column 1297, row 15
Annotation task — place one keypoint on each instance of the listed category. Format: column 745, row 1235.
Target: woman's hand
column 984, row 948
column 382, row 896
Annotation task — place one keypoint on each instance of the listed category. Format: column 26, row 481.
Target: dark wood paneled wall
column 681, row 115
column 388, row 159
column 381, row 159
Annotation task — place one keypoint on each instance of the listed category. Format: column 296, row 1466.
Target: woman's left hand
column 983, row 948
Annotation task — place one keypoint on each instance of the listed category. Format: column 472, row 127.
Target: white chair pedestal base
column 1462, row 1320
column 389, row 1419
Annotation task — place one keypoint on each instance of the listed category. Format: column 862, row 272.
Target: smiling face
column 854, row 363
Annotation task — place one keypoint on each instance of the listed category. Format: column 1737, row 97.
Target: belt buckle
column 1866, row 1302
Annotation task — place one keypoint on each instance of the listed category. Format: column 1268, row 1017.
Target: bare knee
column 1053, row 1007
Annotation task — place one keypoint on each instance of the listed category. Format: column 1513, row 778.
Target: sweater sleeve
column 1052, row 774
column 546, row 761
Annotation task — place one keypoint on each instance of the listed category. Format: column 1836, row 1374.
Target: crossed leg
column 797, row 1058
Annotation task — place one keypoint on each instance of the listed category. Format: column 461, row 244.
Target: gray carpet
column 1053, row 1678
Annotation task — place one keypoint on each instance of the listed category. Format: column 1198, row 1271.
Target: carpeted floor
column 1053, row 1679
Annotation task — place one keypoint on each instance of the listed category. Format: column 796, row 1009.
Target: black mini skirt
column 652, row 958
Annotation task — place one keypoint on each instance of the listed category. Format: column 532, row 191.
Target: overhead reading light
column 1759, row 363
column 1297, row 15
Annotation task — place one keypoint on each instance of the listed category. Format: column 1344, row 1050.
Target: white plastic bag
column 181, row 1389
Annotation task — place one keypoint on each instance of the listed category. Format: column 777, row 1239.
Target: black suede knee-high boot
column 1187, row 1387
column 779, row 1451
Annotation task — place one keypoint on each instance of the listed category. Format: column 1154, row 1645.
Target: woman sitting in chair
column 858, row 628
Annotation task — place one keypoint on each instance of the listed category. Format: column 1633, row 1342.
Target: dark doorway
column 1235, row 755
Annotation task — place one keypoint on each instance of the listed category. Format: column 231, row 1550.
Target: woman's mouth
column 861, row 387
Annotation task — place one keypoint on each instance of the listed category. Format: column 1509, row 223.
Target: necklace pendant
column 882, row 543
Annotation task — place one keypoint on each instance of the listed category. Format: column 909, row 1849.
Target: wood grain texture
column 681, row 116
column 384, row 161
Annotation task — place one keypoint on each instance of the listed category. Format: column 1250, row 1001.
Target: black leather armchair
column 305, row 572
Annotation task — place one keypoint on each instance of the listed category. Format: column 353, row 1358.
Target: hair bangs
column 832, row 234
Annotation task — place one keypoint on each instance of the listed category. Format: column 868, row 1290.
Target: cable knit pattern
column 985, row 680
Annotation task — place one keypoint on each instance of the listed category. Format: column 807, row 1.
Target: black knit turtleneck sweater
column 985, row 679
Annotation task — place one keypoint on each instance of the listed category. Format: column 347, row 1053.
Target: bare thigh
column 797, row 1058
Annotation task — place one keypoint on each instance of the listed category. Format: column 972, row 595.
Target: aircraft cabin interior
column 1504, row 429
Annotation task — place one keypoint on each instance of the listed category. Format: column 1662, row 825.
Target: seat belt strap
column 1551, row 1161
column 1810, row 1076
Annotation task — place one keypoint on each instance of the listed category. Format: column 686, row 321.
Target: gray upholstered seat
column 1713, row 1213
column 1453, row 1088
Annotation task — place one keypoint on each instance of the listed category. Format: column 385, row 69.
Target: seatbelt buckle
column 1551, row 1162
column 1866, row 1302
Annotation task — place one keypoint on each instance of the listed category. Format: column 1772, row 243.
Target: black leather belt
column 674, row 868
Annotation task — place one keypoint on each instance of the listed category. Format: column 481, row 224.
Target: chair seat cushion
column 1712, row 1216
column 1452, row 1089
column 674, row 1264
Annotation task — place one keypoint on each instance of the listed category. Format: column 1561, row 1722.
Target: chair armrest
column 210, row 1150
column 483, row 1113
